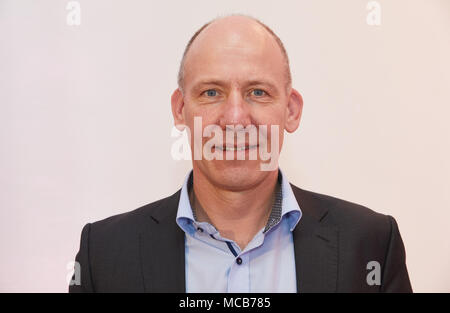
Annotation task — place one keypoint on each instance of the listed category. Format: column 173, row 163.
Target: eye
column 258, row 92
column 210, row 92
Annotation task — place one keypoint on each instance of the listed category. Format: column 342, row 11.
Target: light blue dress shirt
column 217, row 264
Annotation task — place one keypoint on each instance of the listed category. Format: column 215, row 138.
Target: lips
column 236, row 148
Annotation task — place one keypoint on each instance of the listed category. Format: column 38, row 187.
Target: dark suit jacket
column 143, row 250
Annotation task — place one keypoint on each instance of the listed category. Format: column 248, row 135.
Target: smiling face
column 236, row 74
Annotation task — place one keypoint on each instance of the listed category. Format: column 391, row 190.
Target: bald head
column 230, row 34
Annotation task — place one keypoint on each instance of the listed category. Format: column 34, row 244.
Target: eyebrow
column 209, row 82
column 262, row 82
column 218, row 82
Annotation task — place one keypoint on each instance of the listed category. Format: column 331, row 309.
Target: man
column 235, row 225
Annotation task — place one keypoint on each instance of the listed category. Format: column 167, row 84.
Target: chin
column 235, row 175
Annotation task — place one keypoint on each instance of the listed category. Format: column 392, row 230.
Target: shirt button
column 239, row 261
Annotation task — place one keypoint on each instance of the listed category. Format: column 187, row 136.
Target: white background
column 85, row 119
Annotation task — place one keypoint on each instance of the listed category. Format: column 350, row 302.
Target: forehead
column 234, row 50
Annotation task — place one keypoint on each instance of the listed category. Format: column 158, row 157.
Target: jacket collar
column 316, row 242
column 162, row 247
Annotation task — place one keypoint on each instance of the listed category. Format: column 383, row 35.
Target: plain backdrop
column 85, row 120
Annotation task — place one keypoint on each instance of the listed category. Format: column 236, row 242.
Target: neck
column 237, row 215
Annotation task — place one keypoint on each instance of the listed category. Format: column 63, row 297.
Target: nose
column 235, row 111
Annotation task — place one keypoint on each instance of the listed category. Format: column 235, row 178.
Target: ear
column 293, row 111
column 177, row 109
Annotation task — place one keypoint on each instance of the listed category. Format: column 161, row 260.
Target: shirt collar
column 290, row 208
column 185, row 218
column 289, row 205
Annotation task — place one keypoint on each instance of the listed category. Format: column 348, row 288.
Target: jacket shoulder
column 338, row 210
column 134, row 221
column 354, row 221
column 363, row 236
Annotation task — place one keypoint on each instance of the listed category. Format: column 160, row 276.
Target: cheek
column 269, row 116
column 197, row 108
column 192, row 111
column 275, row 115
column 197, row 118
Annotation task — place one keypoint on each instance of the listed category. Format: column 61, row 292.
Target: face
column 235, row 76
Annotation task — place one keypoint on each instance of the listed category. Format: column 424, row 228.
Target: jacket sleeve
column 395, row 274
column 82, row 282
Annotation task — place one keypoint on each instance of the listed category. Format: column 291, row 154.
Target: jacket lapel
column 162, row 249
column 315, row 246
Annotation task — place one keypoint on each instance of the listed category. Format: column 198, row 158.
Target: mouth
column 236, row 148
